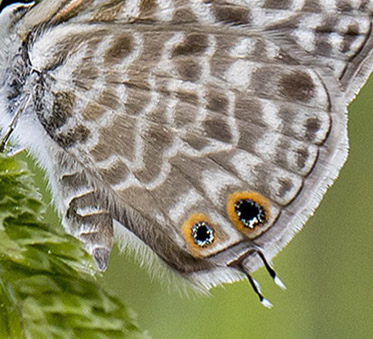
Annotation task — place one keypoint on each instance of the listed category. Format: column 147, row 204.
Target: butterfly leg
column 13, row 123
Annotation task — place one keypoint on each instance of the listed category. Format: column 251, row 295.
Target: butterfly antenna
column 271, row 271
column 13, row 124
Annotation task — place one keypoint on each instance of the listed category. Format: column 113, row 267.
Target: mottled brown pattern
column 64, row 48
column 117, row 138
column 97, row 233
column 276, row 4
column 220, row 61
column 156, row 140
column 73, row 181
column 160, row 238
column 84, row 76
column 218, row 129
column 312, row 6
column 263, row 80
column 194, row 44
column 151, row 52
column 114, row 174
column 249, row 110
column 188, row 97
column 184, row 114
column 188, row 69
column 259, row 51
column 94, row 221
column 93, row 111
column 322, row 45
column 364, row 6
column 313, row 125
column 195, row 141
column 349, row 38
column 137, row 87
column 63, row 108
column 184, row 15
column 297, row 86
column 81, row 133
column 70, row 10
column 121, row 46
column 230, row 13
column 217, row 101
column 247, row 139
column 137, row 99
column 327, row 26
column 82, row 201
column 283, row 148
column 110, row 11
column 108, row 98
column 193, row 170
column 147, row 7
column 344, row 6
column 285, row 187
column 260, row 182
column 158, row 115
column 302, row 157
column 67, row 139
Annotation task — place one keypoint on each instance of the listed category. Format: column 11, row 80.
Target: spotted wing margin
column 179, row 111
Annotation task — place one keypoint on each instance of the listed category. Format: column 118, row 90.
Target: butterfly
column 203, row 133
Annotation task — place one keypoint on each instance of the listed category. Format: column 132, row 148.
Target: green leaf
column 47, row 289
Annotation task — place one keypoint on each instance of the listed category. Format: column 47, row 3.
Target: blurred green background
column 328, row 269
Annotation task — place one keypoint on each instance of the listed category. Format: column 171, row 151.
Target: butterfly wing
column 206, row 128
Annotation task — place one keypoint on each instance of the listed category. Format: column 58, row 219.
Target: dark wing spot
column 302, row 156
column 297, row 86
column 344, row 6
column 276, row 4
column 188, row 97
column 121, row 47
column 115, row 174
column 350, row 36
column 116, row 138
column 195, row 43
column 93, row 111
column 312, row 127
column 62, row 109
column 285, row 187
column 323, row 46
column 184, row 15
column 147, row 7
column 189, row 69
column 217, row 102
column 196, row 142
column 312, row 6
column 218, row 129
column 108, row 99
column 232, row 14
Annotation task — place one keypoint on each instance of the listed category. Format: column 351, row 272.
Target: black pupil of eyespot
column 203, row 234
column 249, row 212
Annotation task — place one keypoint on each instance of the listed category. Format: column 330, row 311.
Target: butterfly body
column 209, row 130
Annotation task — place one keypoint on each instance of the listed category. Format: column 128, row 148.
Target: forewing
column 178, row 106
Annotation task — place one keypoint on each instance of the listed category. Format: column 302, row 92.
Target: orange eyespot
column 199, row 233
column 248, row 211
